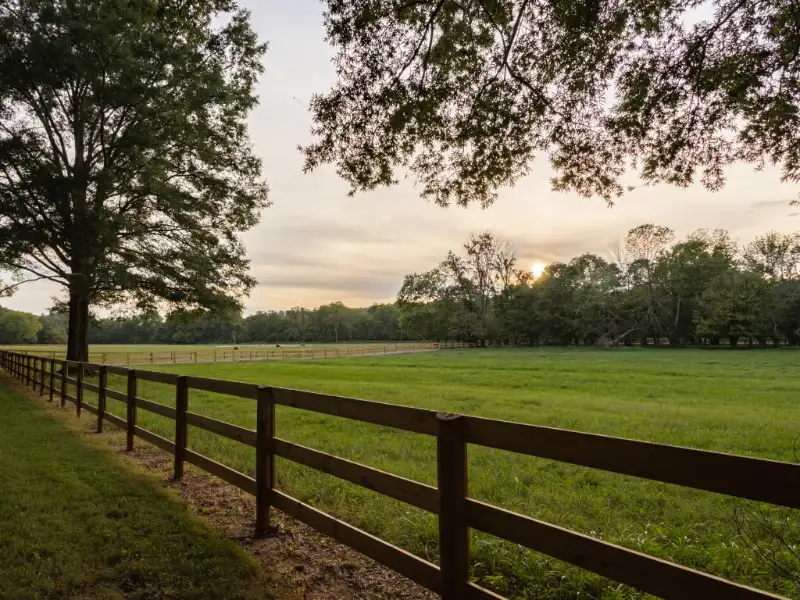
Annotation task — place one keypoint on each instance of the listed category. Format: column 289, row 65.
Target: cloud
column 770, row 203
column 566, row 246
column 794, row 214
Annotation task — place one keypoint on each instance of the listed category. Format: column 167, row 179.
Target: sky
column 316, row 245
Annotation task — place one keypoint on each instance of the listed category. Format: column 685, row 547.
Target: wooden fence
column 751, row 478
column 246, row 353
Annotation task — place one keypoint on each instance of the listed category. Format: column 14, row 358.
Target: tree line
column 704, row 289
column 333, row 322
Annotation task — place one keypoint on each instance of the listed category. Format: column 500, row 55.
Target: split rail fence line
column 247, row 354
column 744, row 477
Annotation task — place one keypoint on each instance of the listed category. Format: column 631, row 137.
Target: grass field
column 76, row 523
column 729, row 401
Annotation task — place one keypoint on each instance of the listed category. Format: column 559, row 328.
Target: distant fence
column 751, row 478
column 248, row 353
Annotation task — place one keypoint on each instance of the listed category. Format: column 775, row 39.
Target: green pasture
column 745, row 402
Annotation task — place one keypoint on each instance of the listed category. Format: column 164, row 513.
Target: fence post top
column 444, row 416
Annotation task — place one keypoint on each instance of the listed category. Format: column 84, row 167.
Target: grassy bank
column 741, row 402
column 77, row 523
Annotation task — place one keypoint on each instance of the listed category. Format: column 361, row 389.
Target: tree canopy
column 126, row 170
column 465, row 95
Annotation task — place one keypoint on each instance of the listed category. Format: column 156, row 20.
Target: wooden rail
column 245, row 353
column 752, row 478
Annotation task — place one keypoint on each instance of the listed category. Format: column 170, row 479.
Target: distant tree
column 54, row 329
column 335, row 315
column 465, row 94
column 775, row 255
column 126, row 171
column 19, row 327
column 783, row 311
column 733, row 307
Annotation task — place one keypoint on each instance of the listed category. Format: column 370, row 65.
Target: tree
column 733, row 306
column 465, row 94
column 18, row 327
column 335, row 315
column 775, row 255
column 644, row 246
column 126, row 171
column 54, row 329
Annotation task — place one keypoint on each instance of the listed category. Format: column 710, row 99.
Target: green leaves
column 464, row 95
column 124, row 152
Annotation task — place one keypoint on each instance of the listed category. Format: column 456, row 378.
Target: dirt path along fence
column 744, row 477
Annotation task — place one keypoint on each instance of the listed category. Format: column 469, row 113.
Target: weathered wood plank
column 476, row 592
column 406, row 490
column 157, row 376
column 229, row 388
column 156, row 440
column 89, row 407
column 155, row 407
column 115, row 370
column 752, row 478
column 240, row 480
column 121, row 396
column 115, row 420
column 651, row 575
column 91, row 387
column 417, row 420
column 405, row 563
column 228, row 430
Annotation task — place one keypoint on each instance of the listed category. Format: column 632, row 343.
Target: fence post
column 453, row 532
column 265, row 460
column 34, row 372
column 181, row 428
column 52, row 378
column 131, row 408
column 79, row 389
column 41, row 381
column 63, row 383
column 102, row 384
column 28, row 377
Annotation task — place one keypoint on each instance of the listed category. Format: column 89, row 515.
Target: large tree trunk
column 78, row 333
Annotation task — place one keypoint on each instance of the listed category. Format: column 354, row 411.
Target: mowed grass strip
column 76, row 522
column 730, row 401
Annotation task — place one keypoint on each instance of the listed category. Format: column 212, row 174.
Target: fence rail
column 756, row 479
column 246, row 353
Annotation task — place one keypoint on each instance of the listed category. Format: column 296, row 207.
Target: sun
column 538, row 268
